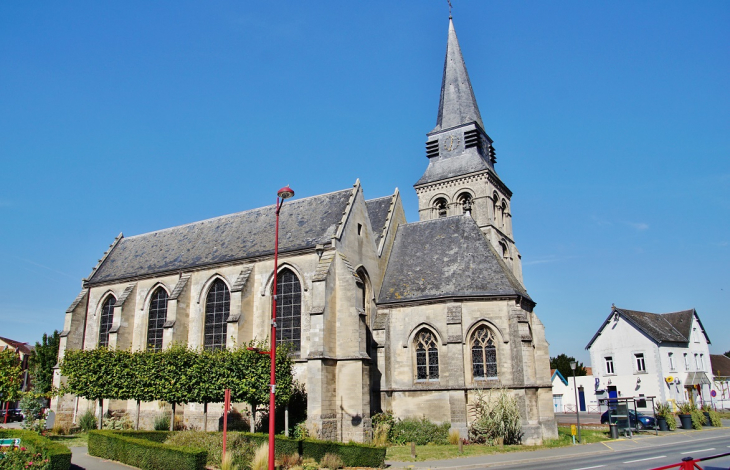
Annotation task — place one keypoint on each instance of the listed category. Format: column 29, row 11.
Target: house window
column 609, row 365
column 217, row 309
column 686, row 361
column 157, row 318
column 288, row 309
column 107, row 316
column 640, row 364
column 671, row 361
column 697, row 361
column 427, row 356
column 483, row 354
column 695, row 335
column 702, row 362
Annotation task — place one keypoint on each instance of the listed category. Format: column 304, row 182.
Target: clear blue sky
column 611, row 122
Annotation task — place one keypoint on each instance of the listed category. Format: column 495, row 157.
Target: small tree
column 43, row 359
column 496, row 418
column 562, row 363
column 10, row 375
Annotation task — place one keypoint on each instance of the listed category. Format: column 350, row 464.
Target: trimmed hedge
column 144, row 451
column 140, row 448
column 352, row 454
column 58, row 454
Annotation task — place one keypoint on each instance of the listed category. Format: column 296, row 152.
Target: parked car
column 638, row 420
column 14, row 414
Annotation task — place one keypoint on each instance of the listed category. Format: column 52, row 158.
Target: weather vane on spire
column 449, row 1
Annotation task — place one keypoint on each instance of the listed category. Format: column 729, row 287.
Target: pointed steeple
column 457, row 105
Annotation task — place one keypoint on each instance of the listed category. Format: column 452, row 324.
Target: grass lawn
column 74, row 440
column 437, row 452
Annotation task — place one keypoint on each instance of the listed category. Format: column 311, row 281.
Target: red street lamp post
column 284, row 193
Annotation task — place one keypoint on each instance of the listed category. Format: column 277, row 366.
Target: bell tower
column 460, row 179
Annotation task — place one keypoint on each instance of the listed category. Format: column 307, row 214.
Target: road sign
column 573, row 430
column 713, row 393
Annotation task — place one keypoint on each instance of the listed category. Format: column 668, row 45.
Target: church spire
column 457, row 105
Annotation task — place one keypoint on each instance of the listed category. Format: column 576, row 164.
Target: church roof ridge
column 233, row 214
column 457, row 104
column 224, row 239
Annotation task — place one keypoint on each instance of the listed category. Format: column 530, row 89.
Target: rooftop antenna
column 449, row 1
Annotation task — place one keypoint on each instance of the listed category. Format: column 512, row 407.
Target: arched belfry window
column 465, row 201
column 440, row 207
column 427, row 356
column 483, row 354
column 217, row 310
column 157, row 318
column 288, row 309
column 503, row 213
column 107, row 316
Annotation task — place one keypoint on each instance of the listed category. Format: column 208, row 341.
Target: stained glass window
column 483, row 354
column 217, row 309
column 107, row 316
column 427, row 356
column 157, row 318
column 288, row 309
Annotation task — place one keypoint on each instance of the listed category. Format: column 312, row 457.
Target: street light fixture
column 284, row 193
column 577, row 409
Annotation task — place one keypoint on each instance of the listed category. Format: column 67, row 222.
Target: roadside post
column 573, row 432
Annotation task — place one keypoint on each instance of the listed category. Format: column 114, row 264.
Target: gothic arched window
column 427, row 356
column 107, row 316
column 288, row 309
column 217, row 309
column 483, row 354
column 157, row 318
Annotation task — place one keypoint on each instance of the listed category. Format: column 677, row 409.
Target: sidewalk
column 81, row 460
column 527, row 456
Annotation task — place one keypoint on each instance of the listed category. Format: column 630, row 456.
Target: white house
column 721, row 381
column 564, row 396
column 635, row 354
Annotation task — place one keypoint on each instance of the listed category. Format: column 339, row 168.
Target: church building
column 382, row 314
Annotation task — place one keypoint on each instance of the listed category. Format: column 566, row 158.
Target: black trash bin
column 614, row 430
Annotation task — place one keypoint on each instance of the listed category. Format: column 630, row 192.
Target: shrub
column 32, row 412
column 88, row 421
column 453, row 437
column 698, row 419
column 309, row 464
column 162, row 422
column 24, row 459
column 300, row 431
column 715, row 418
column 665, row 410
column 143, row 453
column 59, row 455
column 686, row 408
column 261, row 458
column 496, row 418
column 383, row 427
column 289, row 461
column 227, row 462
column 421, row 431
column 331, row 461
column 240, row 449
column 117, row 421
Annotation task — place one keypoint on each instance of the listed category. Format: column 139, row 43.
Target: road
column 645, row 455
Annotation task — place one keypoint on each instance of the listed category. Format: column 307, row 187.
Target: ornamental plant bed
column 59, row 456
column 143, row 450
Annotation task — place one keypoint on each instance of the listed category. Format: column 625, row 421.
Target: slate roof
column 674, row 327
column 378, row 212
column 720, row 365
column 24, row 348
column 304, row 223
column 457, row 105
column 447, row 257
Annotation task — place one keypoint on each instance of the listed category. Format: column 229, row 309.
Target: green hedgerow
column 421, row 431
